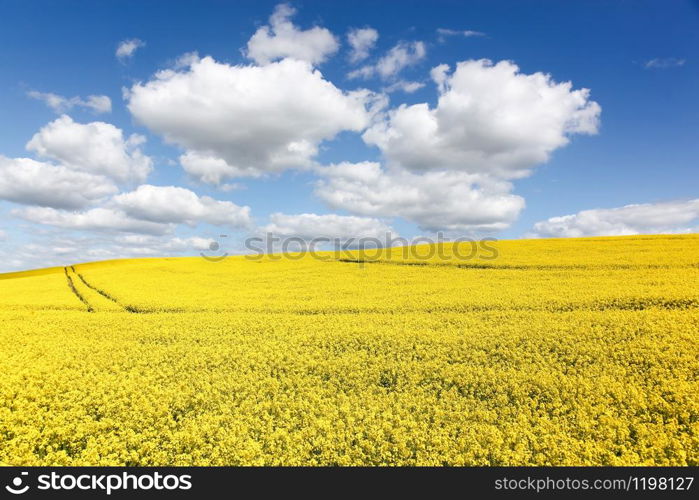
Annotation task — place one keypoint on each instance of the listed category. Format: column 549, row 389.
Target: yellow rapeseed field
column 557, row 352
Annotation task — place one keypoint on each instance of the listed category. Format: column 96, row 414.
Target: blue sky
column 639, row 61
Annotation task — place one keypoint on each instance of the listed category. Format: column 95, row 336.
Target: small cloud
column 664, row 63
column 281, row 38
column 363, row 72
column 401, row 56
column 362, row 41
column 231, row 186
column 404, row 86
column 443, row 33
column 127, row 48
column 60, row 104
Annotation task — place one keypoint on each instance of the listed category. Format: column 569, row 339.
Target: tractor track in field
column 101, row 292
column 71, row 285
column 99, row 295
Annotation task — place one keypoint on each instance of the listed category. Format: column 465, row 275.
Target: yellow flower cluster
column 557, row 352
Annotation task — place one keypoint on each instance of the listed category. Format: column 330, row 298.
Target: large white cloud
column 170, row 204
column 30, row 182
column 282, row 39
column 96, row 147
column 453, row 201
column 331, row 226
column 263, row 119
column 647, row 218
column 490, row 118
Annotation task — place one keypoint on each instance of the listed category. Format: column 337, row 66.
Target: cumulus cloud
column 176, row 205
column 96, row 219
column 212, row 169
column 490, row 118
column 398, row 58
column 154, row 210
column 660, row 63
column 282, row 39
column 361, row 41
column 647, row 218
column 331, row 226
column 454, row 201
column 256, row 119
column 450, row 167
column 148, row 244
column 127, row 48
column 60, row 104
column 30, row 182
column 96, row 148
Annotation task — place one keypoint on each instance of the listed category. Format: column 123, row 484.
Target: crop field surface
column 551, row 352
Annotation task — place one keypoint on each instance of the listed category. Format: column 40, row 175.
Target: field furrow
column 94, row 300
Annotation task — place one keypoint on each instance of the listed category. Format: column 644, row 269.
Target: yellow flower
column 557, row 352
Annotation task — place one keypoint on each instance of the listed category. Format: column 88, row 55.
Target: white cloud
column 255, row 119
column 443, row 33
column 58, row 247
column 669, row 62
column 96, row 219
column 440, row 76
column 96, row 147
column 282, row 39
column 364, row 72
column 361, row 41
column 170, row 204
column 402, row 55
column 157, row 245
column 60, row 104
column 213, row 170
column 489, row 119
column 648, row 218
column 331, row 226
column 399, row 57
column 127, row 48
column 30, row 182
column 149, row 209
column 195, row 243
column 231, row 186
column 404, row 86
column 454, row 201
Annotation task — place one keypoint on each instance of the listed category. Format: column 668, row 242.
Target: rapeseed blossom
column 557, row 352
